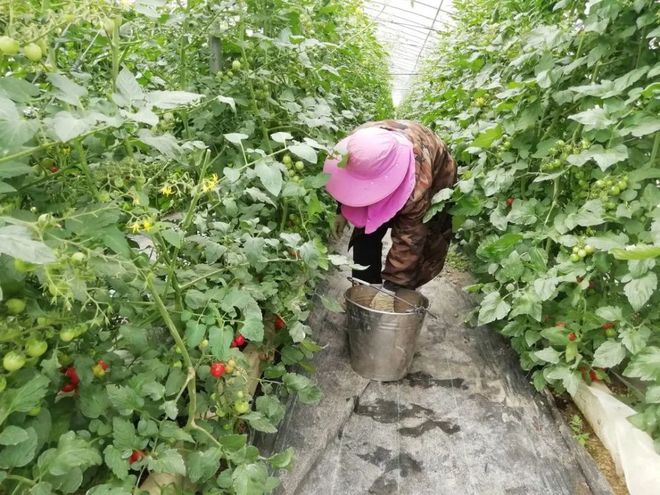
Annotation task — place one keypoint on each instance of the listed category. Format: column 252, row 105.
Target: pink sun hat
column 379, row 162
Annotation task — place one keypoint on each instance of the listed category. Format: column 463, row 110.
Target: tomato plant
column 552, row 109
column 147, row 222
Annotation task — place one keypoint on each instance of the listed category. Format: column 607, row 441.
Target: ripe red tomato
column 68, row 387
column 607, row 325
column 72, row 375
column 593, row 376
column 217, row 370
column 279, row 323
column 103, row 364
column 560, row 324
column 572, row 336
column 136, row 455
column 509, row 202
column 239, row 341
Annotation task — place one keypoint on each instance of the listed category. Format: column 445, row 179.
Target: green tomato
column 589, row 249
column 581, row 253
column 3, row 383
column 241, row 406
column 576, row 249
column 611, row 333
column 36, row 348
column 22, row 266
column 204, row 344
column 78, row 257
column 33, row 52
column 599, row 183
column 287, row 159
column 610, row 205
column 15, row 306
column 615, row 191
column 13, row 361
column 236, row 65
column 8, row 46
column 300, row 165
column 34, row 411
column 622, row 184
column 575, row 258
column 176, row 364
column 68, row 335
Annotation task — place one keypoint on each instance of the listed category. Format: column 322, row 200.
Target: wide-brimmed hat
column 378, row 162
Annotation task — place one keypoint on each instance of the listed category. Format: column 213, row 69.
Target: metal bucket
column 382, row 343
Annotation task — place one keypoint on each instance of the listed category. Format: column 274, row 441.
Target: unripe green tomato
column 615, row 191
column 36, row 348
column 599, row 183
column 8, row 46
column 575, row 258
column 42, row 321
column 67, row 335
column 287, row 159
column 300, row 165
column 176, row 364
column 34, row 411
column 236, row 65
column 22, row 266
column 33, row 52
column 610, row 205
column 15, row 306
column 204, row 344
column 13, row 361
column 44, row 220
column 230, row 74
column 241, row 406
column 581, row 253
column 611, row 333
column 589, row 249
column 622, row 184
column 240, row 394
column 78, row 257
column 576, row 249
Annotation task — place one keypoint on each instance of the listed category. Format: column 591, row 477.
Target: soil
column 596, row 449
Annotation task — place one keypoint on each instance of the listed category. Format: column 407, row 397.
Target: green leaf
column 202, row 465
column 486, row 138
column 227, row 100
column 493, row 308
column 499, row 247
column 640, row 290
column 549, row 355
column 173, row 237
column 298, row 331
column 638, row 252
column 527, row 304
column 281, row 137
column 235, row 137
column 167, row 461
column 168, row 100
column 171, row 431
column 113, row 459
column 643, row 126
column 124, row 434
column 259, row 422
column 250, row 479
column 24, row 398
column 645, row 365
column 605, row 158
column 635, row 339
column 14, row 129
column 609, row 354
column 219, row 341
column 67, row 90
column 594, row 118
column 270, row 176
column 66, row 126
column 20, row 454
column 73, row 452
column 304, row 151
column 282, row 460
column 13, row 435
column 653, row 394
column 124, row 399
column 16, row 241
column 41, row 488
column 609, row 313
column 331, row 304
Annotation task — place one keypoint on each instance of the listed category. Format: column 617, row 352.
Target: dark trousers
column 368, row 251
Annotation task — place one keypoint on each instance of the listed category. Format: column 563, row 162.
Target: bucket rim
column 416, row 312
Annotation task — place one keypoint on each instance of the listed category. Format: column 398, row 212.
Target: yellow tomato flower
column 210, row 183
column 148, row 224
column 135, row 227
column 166, row 190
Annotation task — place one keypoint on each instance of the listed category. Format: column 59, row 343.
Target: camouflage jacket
column 419, row 249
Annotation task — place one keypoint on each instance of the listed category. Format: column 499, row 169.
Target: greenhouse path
column 464, row 421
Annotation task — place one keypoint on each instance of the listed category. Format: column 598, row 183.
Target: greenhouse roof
column 407, row 28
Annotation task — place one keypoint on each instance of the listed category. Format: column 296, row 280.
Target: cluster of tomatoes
column 560, row 152
column 10, row 47
column 293, row 168
column 608, row 189
column 581, row 251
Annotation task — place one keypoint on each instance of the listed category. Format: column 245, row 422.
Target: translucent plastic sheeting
column 631, row 449
column 408, row 30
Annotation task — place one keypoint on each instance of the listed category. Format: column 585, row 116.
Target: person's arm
column 340, row 223
column 408, row 236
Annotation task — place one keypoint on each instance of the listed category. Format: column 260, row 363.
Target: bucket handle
column 417, row 309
